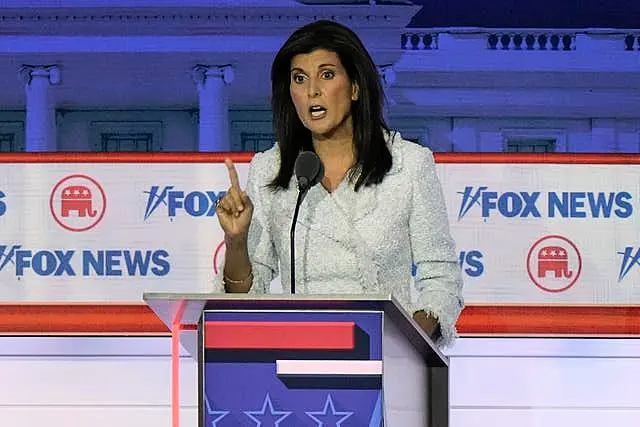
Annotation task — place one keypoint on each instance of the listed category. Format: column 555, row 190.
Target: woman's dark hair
column 373, row 158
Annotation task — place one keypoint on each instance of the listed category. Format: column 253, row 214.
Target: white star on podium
column 329, row 404
column 218, row 414
column 263, row 412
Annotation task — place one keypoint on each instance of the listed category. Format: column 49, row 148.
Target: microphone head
column 309, row 170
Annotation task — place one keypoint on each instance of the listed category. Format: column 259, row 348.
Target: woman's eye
column 327, row 75
column 298, row 78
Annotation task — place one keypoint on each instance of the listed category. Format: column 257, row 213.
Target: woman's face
column 322, row 93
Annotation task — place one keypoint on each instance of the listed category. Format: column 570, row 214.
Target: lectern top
column 187, row 309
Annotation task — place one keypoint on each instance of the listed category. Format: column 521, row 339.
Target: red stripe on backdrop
column 279, row 335
column 125, row 319
column 549, row 158
column 550, row 320
column 166, row 157
column 65, row 319
column 191, row 157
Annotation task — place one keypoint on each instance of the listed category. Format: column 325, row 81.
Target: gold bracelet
column 228, row 281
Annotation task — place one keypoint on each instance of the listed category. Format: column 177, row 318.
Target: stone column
column 41, row 109
column 214, row 106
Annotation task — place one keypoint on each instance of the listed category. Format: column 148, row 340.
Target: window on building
column 7, row 142
column 127, row 142
column 108, row 136
column 11, row 136
column 413, row 129
column 256, row 141
column 531, row 146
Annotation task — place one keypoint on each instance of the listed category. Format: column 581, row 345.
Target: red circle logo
column 554, row 263
column 218, row 258
column 77, row 202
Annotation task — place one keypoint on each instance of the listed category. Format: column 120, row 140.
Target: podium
column 305, row 360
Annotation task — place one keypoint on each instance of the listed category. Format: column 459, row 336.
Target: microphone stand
column 303, row 188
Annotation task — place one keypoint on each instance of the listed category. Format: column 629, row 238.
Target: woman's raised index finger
column 233, row 174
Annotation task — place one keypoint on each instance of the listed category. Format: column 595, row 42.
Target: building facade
column 193, row 75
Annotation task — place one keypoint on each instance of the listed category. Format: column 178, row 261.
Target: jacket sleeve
column 262, row 253
column 438, row 277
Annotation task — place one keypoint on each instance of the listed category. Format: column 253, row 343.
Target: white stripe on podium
column 329, row 368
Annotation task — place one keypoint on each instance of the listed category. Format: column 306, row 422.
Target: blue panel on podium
column 290, row 368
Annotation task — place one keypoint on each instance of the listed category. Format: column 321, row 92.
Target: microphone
column 309, row 171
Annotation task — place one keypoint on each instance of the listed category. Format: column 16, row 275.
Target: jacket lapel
column 336, row 214
column 319, row 212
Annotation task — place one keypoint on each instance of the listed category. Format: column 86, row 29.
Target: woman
column 378, row 208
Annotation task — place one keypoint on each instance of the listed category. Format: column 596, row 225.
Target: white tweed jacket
column 362, row 242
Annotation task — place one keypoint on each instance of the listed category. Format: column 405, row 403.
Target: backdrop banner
column 81, row 228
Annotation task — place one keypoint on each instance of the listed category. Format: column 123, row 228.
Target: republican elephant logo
column 554, row 263
column 554, row 259
column 78, row 202
column 77, row 198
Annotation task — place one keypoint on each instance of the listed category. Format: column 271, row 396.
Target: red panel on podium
column 280, row 335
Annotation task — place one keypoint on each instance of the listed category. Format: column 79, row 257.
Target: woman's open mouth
column 317, row 111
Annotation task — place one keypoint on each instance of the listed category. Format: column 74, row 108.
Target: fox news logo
column 59, row 262
column 3, row 204
column 630, row 259
column 470, row 262
column 523, row 204
column 195, row 203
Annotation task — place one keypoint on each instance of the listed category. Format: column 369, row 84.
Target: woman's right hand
column 235, row 209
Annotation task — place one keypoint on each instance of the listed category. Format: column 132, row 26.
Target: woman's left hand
column 428, row 324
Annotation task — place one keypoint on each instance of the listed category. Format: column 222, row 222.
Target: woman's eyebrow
column 319, row 66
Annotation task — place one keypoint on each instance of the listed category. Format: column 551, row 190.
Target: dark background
column 528, row 13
